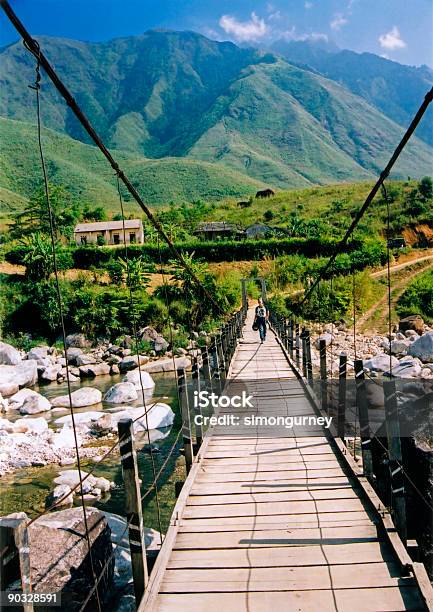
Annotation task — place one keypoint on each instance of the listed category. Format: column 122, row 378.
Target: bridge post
column 221, row 358
column 297, row 344
column 133, row 509
column 215, row 369
column 323, row 375
column 14, row 545
column 341, row 414
column 206, row 364
column 362, row 406
column 197, row 409
column 304, row 354
column 244, row 293
column 395, row 458
column 308, row 361
column 291, row 330
column 186, row 419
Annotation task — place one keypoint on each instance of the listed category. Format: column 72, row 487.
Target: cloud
column 338, row 22
column 254, row 29
column 308, row 5
column 392, row 40
column 314, row 36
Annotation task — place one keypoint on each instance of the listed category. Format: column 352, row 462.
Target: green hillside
column 86, row 173
column 178, row 94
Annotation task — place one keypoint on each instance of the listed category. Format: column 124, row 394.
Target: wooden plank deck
column 275, row 522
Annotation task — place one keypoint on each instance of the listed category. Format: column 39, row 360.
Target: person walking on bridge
column 261, row 318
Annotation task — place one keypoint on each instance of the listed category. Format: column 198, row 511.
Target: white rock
column 25, row 374
column 49, row 374
column 18, row 399
column 380, row 363
column 65, row 439
column 61, row 496
column 36, row 426
column 86, row 396
column 133, row 377
column 34, row 404
column 40, row 353
column 167, row 365
column 423, row 348
column 72, row 479
column 131, row 362
column 326, row 337
column 399, row 346
column 6, row 425
column 9, row 355
column 84, row 359
column 81, row 418
column 158, row 415
column 408, row 367
column 122, row 393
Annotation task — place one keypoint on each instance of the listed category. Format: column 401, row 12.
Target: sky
column 400, row 30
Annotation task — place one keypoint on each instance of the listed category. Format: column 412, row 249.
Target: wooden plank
column 245, row 498
column 266, row 466
column 215, row 488
column 273, row 538
column 267, row 475
column 365, row 552
column 294, row 578
column 390, row 599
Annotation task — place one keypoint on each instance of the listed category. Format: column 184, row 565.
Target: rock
column 39, row 353
column 181, row 351
column 78, row 341
column 50, row 373
column 25, row 374
column 84, row 359
column 86, row 396
column 157, row 342
column 380, row 363
column 4, row 404
column 166, row 365
column 158, row 415
column 90, row 371
column 127, row 342
column 134, row 377
column 423, row 348
column 114, row 369
column 60, row 560
column 18, row 399
column 415, row 322
column 9, row 355
column 61, row 496
column 80, row 418
column 102, row 426
column 36, row 426
column 7, row 389
column 131, row 362
column 34, row 404
column 406, row 368
column 399, row 346
column 411, row 334
column 65, row 462
column 326, row 337
column 72, row 354
column 122, row 393
column 6, row 425
column 103, row 484
column 65, row 439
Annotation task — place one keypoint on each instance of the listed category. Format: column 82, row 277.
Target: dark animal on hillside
column 265, row 193
column 243, row 204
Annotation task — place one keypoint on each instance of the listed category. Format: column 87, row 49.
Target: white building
column 109, row 232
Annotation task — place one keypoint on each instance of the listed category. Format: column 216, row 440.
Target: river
column 26, row 489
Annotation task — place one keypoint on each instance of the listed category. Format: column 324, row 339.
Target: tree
column 425, row 188
column 35, row 217
column 39, row 260
column 96, row 214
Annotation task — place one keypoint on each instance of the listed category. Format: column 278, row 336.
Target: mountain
column 394, row 89
column 249, row 116
column 84, row 171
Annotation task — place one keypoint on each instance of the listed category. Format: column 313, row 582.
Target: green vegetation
column 418, row 298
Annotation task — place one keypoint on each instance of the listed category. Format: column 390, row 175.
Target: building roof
column 101, row 226
column 217, row 226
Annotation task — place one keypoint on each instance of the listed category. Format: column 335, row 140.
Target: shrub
column 418, row 298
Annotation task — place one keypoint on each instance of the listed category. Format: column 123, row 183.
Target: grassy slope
column 83, row 170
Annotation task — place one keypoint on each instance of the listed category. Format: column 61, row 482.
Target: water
column 25, row 490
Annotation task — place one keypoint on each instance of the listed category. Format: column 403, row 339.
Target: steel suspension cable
column 37, row 88
column 388, row 273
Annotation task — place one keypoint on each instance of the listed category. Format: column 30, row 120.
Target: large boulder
column 326, row 337
column 158, row 415
column 17, row 399
column 8, row 388
column 141, row 380
column 98, row 369
column 36, row 426
column 9, row 355
column 131, row 362
column 423, row 348
column 122, row 393
column 80, row 418
column 78, row 341
column 50, row 373
column 60, row 560
column 25, row 374
column 86, row 396
column 65, row 438
column 408, row 367
column 400, row 347
column 39, row 353
column 71, row 478
column 167, row 365
column 380, row 363
column 85, row 359
column 61, row 496
column 415, row 322
column 72, row 354
column 34, row 404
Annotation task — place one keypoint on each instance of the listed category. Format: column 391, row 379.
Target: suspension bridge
column 268, row 517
